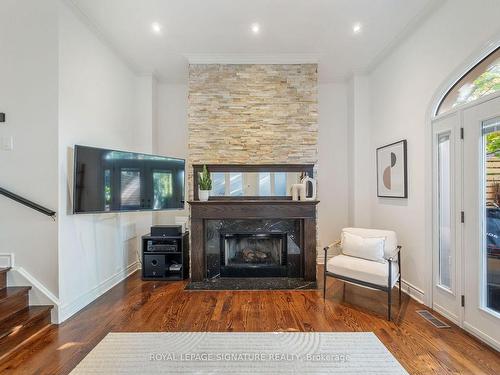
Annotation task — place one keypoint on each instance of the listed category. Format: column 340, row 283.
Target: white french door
column 482, row 220
column 466, row 218
column 447, row 207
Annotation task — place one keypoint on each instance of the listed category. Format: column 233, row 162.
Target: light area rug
column 240, row 353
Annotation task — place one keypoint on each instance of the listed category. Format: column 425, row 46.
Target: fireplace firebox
column 253, row 254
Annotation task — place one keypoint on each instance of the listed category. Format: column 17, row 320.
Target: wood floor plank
column 137, row 306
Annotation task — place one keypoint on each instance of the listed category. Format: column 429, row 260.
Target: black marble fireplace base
column 251, row 283
column 295, row 218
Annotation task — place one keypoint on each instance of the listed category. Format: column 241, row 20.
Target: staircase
column 19, row 322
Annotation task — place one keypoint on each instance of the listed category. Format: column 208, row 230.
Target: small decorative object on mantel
column 298, row 192
column 205, row 185
column 309, row 188
column 392, row 174
column 306, row 190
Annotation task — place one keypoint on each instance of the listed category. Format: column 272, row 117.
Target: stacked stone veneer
column 252, row 114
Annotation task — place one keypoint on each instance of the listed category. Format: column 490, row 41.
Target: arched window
column 483, row 79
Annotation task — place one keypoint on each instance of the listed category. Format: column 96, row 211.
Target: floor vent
column 432, row 319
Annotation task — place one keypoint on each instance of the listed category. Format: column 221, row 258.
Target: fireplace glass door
column 253, row 254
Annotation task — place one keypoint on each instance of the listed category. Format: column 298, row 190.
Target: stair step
column 12, row 300
column 19, row 328
column 3, row 277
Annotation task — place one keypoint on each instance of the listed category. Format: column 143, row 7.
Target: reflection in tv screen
column 110, row 181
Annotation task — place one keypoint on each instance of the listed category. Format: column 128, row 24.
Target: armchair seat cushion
column 363, row 270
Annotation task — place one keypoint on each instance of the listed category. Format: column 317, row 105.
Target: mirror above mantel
column 252, row 181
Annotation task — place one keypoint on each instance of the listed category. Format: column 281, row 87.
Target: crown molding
column 402, row 36
column 254, row 58
column 154, row 75
column 97, row 31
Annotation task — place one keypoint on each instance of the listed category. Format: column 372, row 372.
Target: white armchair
column 369, row 258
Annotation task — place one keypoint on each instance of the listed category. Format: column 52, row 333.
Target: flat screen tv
column 114, row 181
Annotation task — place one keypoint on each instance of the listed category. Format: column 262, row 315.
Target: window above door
column 483, row 79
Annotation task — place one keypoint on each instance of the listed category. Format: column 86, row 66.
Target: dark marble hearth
column 251, row 283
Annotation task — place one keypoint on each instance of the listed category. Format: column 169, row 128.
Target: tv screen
column 111, row 181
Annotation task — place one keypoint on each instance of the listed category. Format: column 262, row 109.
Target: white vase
column 298, row 192
column 203, row 195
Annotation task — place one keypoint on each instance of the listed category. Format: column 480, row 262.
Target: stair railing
column 28, row 203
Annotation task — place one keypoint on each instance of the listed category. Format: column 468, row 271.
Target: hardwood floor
column 137, row 306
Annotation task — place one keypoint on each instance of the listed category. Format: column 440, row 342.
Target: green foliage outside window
column 487, row 83
column 493, row 144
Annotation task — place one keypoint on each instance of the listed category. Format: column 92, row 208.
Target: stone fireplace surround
column 252, row 114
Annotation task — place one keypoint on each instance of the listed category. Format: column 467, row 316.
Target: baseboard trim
column 446, row 314
column 482, row 336
column 39, row 294
column 6, row 260
column 37, row 284
column 414, row 292
column 69, row 309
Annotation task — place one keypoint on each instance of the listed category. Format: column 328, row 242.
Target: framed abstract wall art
column 392, row 173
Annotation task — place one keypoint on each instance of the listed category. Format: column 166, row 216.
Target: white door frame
column 443, row 89
column 478, row 319
column 460, row 286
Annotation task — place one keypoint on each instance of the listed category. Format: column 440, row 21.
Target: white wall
column 332, row 166
column 361, row 158
column 402, row 87
column 145, row 109
column 171, row 134
column 28, row 96
column 99, row 106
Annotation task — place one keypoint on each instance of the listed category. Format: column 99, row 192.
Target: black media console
column 165, row 257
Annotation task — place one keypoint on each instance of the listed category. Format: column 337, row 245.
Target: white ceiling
column 219, row 31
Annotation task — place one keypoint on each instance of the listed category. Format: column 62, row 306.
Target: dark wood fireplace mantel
column 252, row 209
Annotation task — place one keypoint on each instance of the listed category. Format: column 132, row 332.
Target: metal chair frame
column 385, row 288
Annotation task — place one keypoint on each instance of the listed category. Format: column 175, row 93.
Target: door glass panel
column 491, row 212
column 444, row 206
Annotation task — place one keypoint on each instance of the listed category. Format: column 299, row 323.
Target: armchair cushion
column 363, row 270
column 390, row 243
column 371, row 248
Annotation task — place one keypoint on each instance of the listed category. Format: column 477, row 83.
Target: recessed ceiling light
column 357, row 27
column 156, row 28
column 255, row 28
